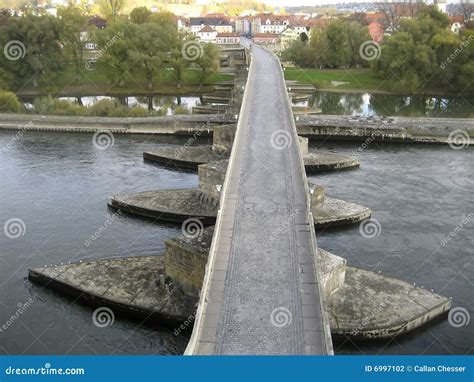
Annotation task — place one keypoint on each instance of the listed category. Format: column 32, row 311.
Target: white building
column 273, row 24
column 228, row 38
column 207, row 34
column 219, row 24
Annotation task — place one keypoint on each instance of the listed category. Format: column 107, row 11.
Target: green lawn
column 358, row 79
column 94, row 82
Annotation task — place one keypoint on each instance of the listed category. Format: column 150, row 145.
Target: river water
column 375, row 104
column 324, row 102
column 58, row 183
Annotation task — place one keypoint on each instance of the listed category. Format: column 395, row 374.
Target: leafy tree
column 304, row 37
column 300, row 54
column 38, row 51
column 178, row 61
column 165, row 19
column 140, row 15
column 356, row 36
column 318, row 46
column 151, row 48
column 466, row 62
column 405, row 63
column 9, row 103
column 114, row 43
column 208, row 61
column 415, row 57
column 339, row 54
column 335, row 45
column 6, row 80
column 74, row 33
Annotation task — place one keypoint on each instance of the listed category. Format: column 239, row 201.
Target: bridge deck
column 260, row 293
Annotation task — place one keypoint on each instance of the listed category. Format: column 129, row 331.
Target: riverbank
column 93, row 83
column 349, row 80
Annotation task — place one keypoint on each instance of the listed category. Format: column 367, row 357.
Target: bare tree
column 110, row 9
column 467, row 9
column 393, row 11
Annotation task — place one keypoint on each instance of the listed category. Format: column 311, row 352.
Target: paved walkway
column 260, row 294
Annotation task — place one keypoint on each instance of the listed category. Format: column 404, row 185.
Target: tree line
column 40, row 48
column 421, row 54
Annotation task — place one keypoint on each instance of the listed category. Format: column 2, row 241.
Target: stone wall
column 210, row 175
column 223, row 138
column 186, row 259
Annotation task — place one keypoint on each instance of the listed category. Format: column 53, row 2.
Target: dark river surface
column 58, row 183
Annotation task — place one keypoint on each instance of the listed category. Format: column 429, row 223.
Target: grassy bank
column 93, row 82
column 355, row 79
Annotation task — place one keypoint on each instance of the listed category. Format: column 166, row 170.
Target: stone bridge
column 261, row 291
